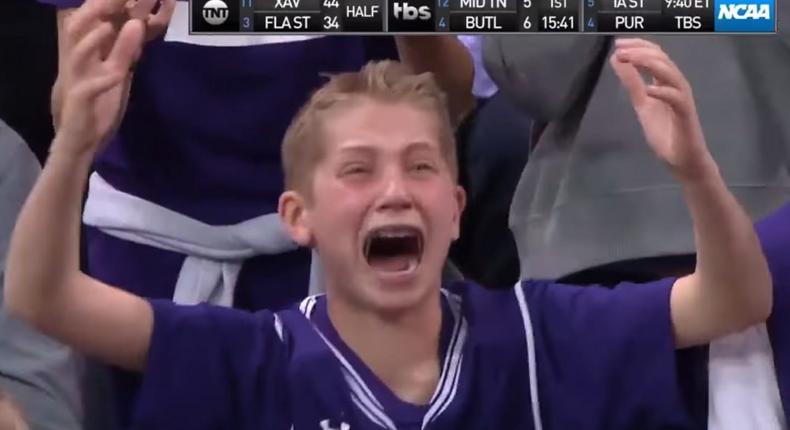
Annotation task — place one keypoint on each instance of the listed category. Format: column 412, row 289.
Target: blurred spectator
column 593, row 205
column 41, row 374
column 492, row 153
column 28, row 65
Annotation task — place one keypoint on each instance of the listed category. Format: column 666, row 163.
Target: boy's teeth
column 394, row 233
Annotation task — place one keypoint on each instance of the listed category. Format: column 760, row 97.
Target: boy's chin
column 393, row 301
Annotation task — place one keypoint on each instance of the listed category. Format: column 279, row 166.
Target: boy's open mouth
column 394, row 248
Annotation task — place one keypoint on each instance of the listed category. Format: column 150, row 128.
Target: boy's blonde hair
column 385, row 81
column 10, row 415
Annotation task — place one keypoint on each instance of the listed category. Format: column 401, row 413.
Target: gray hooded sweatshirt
column 593, row 192
column 41, row 375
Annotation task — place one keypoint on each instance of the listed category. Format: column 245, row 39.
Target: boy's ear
column 292, row 210
column 460, row 200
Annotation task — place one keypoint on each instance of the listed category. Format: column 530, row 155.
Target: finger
column 81, row 21
column 113, row 7
column 663, row 71
column 635, row 42
column 141, row 9
column 626, row 54
column 93, row 87
column 89, row 49
column 642, row 52
column 672, row 96
column 630, row 79
column 127, row 47
column 159, row 21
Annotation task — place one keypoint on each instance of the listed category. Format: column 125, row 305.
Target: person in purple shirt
column 371, row 185
column 182, row 202
column 199, row 146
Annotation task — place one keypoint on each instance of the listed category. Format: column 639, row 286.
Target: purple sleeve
column 63, row 4
column 210, row 368
column 774, row 234
column 606, row 358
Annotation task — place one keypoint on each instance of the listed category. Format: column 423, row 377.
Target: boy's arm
column 155, row 25
column 731, row 287
column 43, row 283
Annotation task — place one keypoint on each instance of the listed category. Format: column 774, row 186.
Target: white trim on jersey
column 362, row 407
column 354, row 379
column 448, row 383
column 278, row 327
column 306, row 305
column 449, row 401
column 531, row 362
column 455, row 307
column 364, row 399
column 178, row 31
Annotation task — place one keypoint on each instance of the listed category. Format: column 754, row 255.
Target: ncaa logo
column 215, row 12
column 755, row 16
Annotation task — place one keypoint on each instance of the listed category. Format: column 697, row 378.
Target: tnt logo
column 745, row 16
column 215, row 12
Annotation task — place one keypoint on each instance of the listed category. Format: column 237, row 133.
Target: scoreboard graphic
column 482, row 16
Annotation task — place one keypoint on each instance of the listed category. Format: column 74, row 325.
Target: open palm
column 96, row 75
column 665, row 108
column 117, row 12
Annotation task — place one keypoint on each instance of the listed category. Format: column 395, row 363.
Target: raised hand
column 94, row 76
column 665, row 107
column 155, row 22
column 117, row 12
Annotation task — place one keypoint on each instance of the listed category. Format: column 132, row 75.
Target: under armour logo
column 343, row 426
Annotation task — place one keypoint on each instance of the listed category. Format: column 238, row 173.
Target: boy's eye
column 422, row 167
column 355, row 169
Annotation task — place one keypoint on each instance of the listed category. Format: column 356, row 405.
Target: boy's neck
column 400, row 350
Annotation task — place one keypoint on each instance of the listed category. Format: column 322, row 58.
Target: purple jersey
column 537, row 356
column 202, row 136
column 774, row 233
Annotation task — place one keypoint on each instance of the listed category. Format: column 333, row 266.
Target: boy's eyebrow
column 421, row 145
column 369, row 149
column 361, row 148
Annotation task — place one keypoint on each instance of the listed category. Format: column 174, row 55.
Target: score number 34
column 330, row 22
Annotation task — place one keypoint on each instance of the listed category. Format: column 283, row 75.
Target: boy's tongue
column 394, row 263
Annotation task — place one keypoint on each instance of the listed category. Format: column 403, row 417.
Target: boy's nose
column 396, row 195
